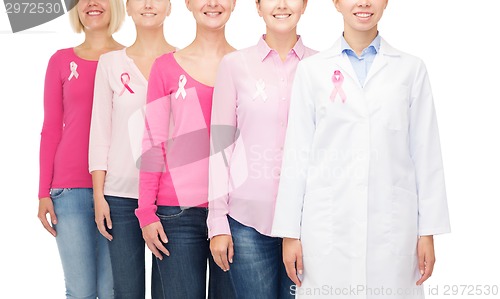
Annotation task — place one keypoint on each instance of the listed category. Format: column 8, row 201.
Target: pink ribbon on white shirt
column 181, row 90
column 73, row 66
column 338, row 80
column 125, row 77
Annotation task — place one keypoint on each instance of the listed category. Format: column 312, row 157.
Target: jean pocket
column 56, row 193
column 166, row 213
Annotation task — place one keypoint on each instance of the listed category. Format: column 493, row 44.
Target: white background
column 458, row 40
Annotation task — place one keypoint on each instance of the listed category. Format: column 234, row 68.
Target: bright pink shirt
column 68, row 94
column 251, row 95
column 174, row 164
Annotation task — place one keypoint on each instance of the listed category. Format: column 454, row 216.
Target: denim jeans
column 127, row 251
column 183, row 273
column 83, row 250
column 257, row 270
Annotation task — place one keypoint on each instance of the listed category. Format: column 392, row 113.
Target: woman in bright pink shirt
column 249, row 120
column 65, row 191
column 173, row 180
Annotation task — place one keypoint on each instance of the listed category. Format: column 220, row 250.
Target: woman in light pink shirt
column 65, row 190
column 249, row 120
column 115, row 143
column 173, row 182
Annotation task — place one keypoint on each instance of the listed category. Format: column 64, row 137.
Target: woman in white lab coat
column 362, row 189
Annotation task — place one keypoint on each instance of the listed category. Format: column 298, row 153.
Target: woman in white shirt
column 115, row 145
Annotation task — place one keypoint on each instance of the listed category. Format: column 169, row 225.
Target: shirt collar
column 374, row 45
column 264, row 49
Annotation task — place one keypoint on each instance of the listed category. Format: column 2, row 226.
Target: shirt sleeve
column 223, row 131
column 299, row 137
column 425, row 150
column 153, row 160
column 100, row 128
column 52, row 125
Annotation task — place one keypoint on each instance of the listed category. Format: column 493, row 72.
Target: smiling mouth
column 212, row 13
column 94, row 13
column 363, row 14
column 148, row 14
column 282, row 16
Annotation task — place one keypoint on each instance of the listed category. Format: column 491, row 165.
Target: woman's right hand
column 102, row 216
column 222, row 250
column 154, row 236
column 292, row 258
column 45, row 206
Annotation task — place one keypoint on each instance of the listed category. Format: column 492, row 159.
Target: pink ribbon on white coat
column 338, row 80
column 181, row 90
column 73, row 66
column 125, row 78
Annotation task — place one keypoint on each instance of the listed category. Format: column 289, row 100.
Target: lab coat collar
column 379, row 63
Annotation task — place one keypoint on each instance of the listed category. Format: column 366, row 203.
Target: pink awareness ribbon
column 125, row 77
column 338, row 80
column 73, row 66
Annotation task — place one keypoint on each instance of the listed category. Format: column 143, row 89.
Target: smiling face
column 361, row 15
column 211, row 14
column 281, row 16
column 94, row 14
column 148, row 13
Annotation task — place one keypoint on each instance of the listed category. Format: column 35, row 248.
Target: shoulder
column 112, row 57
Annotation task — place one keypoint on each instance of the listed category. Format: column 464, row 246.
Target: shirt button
column 282, row 79
column 283, row 98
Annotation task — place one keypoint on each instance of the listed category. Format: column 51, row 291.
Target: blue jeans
column 127, row 251
column 83, row 250
column 257, row 270
column 183, row 273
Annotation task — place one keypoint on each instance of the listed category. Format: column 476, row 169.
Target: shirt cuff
column 218, row 226
column 146, row 215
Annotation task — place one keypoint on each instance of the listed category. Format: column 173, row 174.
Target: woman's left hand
column 426, row 257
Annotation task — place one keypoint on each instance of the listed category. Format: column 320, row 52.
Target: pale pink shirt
column 117, row 123
column 249, row 120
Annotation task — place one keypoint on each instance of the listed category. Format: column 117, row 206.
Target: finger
column 163, row 236
column 159, row 246
column 47, row 225
column 224, row 260
column 53, row 217
column 154, row 250
column 421, row 263
column 109, row 223
column 299, row 264
column 429, row 268
column 230, row 253
column 102, row 228
column 292, row 273
column 218, row 261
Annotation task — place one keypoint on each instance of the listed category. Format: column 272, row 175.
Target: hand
column 426, row 258
column 102, row 216
column 222, row 250
column 292, row 258
column 154, row 235
column 45, row 206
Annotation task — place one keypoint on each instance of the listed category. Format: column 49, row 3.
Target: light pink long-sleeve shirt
column 176, row 145
column 68, row 94
column 118, row 123
column 249, row 120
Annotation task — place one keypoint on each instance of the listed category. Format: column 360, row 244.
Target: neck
column 281, row 43
column 359, row 40
column 210, row 42
column 96, row 40
column 150, row 42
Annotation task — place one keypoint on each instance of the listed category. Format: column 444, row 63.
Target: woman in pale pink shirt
column 65, row 190
column 249, row 119
column 115, row 144
column 173, row 181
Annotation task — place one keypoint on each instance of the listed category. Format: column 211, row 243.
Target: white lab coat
column 361, row 179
